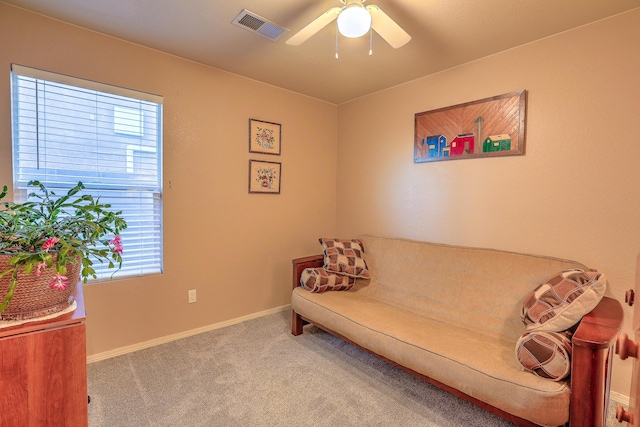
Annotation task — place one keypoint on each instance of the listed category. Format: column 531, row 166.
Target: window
column 67, row 130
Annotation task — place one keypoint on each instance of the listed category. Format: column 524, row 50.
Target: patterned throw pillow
column 320, row 280
column 562, row 300
column 546, row 354
column 345, row 257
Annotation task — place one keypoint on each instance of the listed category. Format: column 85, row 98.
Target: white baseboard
column 162, row 340
column 619, row 398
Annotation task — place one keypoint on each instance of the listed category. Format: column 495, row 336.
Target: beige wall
column 573, row 195
column 234, row 248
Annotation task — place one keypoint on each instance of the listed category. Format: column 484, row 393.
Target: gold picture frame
column 265, row 177
column 265, row 137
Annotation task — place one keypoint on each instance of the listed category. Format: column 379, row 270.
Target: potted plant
column 47, row 243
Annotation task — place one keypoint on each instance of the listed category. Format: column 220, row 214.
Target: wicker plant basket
column 33, row 297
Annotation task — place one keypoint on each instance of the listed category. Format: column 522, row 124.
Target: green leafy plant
column 48, row 231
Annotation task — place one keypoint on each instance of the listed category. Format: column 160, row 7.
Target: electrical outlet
column 192, row 296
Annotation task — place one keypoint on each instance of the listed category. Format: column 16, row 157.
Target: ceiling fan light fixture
column 354, row 21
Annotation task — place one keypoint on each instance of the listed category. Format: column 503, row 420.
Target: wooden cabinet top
column 76, row 316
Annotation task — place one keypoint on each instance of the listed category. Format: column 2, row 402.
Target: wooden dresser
column 43, row 371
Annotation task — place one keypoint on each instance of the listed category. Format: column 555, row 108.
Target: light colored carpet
column 257, row 374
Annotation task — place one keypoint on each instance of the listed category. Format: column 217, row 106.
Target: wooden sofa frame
column 592, row 356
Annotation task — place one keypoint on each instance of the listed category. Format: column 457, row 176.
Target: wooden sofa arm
column 299, row 264
column 591, row 361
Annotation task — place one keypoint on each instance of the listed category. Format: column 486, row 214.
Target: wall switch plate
column 192, row 296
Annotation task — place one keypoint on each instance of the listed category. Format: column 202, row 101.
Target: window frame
column 145, row 196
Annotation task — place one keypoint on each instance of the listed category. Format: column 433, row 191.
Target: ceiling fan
column 355, row 20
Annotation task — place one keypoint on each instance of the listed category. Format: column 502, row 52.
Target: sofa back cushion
column 478, row 289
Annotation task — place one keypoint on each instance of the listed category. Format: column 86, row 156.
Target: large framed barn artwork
column 488, row 127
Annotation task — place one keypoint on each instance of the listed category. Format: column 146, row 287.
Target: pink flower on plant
column 117, row 244
column 41, row 267
column 59, row 282
column 50, row 243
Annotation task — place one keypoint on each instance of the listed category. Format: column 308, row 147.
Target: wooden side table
column 43, row 371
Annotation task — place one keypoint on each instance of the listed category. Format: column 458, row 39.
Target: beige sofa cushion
column 474, row 363
column 478, row 289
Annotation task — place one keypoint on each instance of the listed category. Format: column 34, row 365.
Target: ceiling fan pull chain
column 371, row 40
column 336, row 41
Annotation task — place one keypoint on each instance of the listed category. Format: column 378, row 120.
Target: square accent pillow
column 320, row 280
column 345, row 256
column 562, row 300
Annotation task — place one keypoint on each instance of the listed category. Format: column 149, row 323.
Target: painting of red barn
column 462, row 144
column 487, row 127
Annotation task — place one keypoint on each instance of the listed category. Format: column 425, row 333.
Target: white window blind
column 67, row 130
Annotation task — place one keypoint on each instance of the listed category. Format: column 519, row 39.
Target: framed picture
column 488, row 127
column 264, row 137
column 264, row 177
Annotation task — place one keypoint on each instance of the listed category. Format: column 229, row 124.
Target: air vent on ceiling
column 259, row 25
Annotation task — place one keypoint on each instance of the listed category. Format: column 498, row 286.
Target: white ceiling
column 445, row 33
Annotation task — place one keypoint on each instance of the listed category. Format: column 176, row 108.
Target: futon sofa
column 451, row 315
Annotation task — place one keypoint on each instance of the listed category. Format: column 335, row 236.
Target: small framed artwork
column 264, row 137
column 264, row 177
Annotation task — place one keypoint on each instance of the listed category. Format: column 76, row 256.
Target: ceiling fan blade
column 316, row 25
column 387, row 28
